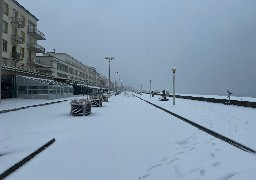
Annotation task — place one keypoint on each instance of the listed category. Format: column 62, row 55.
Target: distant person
column 164, row 96
column 152, row 93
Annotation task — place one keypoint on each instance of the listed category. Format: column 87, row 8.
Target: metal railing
column 36, row 48
column 37, row 34
column 17, row 22
column 17, row 39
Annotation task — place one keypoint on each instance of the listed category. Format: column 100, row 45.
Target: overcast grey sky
column 212, row 43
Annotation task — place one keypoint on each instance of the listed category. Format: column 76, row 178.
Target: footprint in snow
column 202, row 172
column 172, row 161
column 182, row 152
column 216, row 164
column 144, row 176
column 164, row 159
column 155, row 166
column 192, row 148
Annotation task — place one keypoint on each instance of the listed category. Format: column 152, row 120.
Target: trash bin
column 80, row 107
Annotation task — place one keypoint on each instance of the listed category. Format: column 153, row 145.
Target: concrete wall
column 222, row 101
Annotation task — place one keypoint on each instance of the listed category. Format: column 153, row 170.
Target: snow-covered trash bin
column 105, row 98
column 81, row 107
column 96, row 100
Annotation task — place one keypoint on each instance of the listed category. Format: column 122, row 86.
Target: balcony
column 36, row 33
column 17, row 39
column 36, row 48
column 17, row 22
column 17, row 56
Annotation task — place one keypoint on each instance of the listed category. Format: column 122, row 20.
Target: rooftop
column 25, row 9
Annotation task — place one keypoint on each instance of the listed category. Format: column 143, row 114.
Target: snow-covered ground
column 129, row 139
column 237, row 123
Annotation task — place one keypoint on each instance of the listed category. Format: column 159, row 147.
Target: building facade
column 65, row 68
column 20, row 36
column 20, row 56
column 19, row 46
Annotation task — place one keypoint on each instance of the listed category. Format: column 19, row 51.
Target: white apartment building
column 20, row 35
column 63, row 67
column 19, row 55
column 19, row 46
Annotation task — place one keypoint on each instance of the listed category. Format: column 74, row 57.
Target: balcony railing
column 17, row 22
column 36, row 33
column 36, row 48
column 17, row 39
column 17, row 56
column 44, row 63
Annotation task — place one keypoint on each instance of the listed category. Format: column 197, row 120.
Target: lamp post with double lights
column 109, row 59
column 173, row 95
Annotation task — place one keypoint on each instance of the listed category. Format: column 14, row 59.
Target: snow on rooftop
column 46, row 81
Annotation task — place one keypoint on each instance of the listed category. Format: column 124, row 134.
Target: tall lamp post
column 109, row 59
column 173, row 70
column 150, row 88
column 116, row 83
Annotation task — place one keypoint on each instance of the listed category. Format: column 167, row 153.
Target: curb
column 25, row 160
column 16, row 109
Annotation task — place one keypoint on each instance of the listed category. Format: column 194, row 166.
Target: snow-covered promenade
column 128, row 139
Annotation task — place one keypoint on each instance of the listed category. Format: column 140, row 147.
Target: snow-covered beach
column 128, row 139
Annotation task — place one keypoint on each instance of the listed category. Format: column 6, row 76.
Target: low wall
column 222, row 101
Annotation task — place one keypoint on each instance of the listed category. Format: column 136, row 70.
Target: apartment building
column 19, row 55
column 20, row 36
column 19, row 45
column 63, row 67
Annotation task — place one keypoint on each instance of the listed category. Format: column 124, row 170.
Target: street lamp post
column 109, row 59
column 150, row 88
column 173, row 70
column 116, row 83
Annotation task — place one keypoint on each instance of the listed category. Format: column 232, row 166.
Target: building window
column 15, row 13
column 22, row 89
column 23, row 19
column 5, row 27
column 23, row 36
column 14, row 31
column 6, row 9
column 31, row 26
column 4, row 45
column 22, row 50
